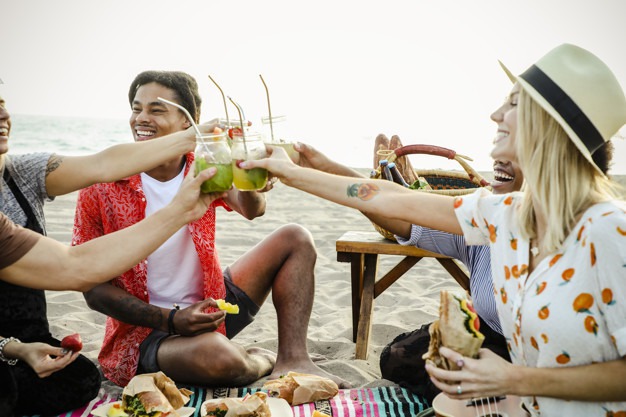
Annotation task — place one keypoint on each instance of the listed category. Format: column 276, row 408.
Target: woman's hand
column 277, row 163
column 488, row 376
column 45, row 359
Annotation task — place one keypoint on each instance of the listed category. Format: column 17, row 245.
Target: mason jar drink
column 214, row 151
column 276, row 133
column 253, row 148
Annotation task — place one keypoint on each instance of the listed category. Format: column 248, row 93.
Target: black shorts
column 234, row 324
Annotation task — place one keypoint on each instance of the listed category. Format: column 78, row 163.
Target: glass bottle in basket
column 248, row 149
column 213, row 151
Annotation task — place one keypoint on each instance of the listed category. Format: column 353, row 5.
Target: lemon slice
column 227, row 307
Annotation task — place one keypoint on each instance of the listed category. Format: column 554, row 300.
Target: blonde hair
column 558, row 178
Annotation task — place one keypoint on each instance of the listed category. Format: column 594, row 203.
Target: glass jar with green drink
column 248, row 149
column 214, row 151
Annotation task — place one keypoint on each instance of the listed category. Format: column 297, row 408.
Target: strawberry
column 72, row 342
column 235, row 131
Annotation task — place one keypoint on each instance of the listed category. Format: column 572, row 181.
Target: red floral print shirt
column 106, row 208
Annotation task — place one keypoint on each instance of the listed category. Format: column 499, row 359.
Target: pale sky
column 342, row 71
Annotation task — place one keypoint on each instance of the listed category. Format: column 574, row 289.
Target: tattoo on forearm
column 54, row 162
column 136, row 312
column 363, row 191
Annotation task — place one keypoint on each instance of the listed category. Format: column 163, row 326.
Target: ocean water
column 65, row 135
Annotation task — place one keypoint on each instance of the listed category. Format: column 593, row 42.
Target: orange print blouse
column 572, row 309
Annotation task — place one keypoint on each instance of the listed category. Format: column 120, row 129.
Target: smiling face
column 506, row 172
column 5, row 127
column 152, row 118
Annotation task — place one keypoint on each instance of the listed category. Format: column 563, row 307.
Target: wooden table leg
column 367, row 303
column 356, row 274
column 456, row 272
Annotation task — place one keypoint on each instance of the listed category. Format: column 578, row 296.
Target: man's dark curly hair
column 183, row 84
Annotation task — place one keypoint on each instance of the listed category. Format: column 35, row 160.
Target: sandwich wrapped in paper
column 298, row 388
column 254, row 405
column 153, row 395
column 457, row 328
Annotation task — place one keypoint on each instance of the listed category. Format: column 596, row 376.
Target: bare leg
column 284, row 263
column 211, row 359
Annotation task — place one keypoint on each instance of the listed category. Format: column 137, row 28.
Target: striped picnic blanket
column 359, row 402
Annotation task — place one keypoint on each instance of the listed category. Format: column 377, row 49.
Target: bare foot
column 306, row 367
column 265, row 360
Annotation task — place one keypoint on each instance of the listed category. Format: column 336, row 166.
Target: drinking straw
column 184, row 110
column 223, row 99
column 243, row 132
column 269, row 108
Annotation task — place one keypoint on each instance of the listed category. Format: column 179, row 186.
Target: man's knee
column 232, row 366
column 297, row 236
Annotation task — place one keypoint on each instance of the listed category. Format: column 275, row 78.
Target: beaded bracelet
column 3, row 343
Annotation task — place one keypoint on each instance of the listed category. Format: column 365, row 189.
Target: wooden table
column 362, row 249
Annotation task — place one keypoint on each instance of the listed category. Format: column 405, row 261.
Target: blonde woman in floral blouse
column 558, row 247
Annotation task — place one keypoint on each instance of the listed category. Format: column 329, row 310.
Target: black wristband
column 170, row 320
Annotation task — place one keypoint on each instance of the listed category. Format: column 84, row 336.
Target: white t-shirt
column 174, row 270
column 570, row 310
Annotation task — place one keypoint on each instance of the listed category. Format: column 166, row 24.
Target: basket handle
column 425, row 149
column 439, row 151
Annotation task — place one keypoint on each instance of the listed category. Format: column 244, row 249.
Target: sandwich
column 254, row 405
column 297, row 388
column 142, row 398
column 457, row 328
column 177, row 397
column 153, row 395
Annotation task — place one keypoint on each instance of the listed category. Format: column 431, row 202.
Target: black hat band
column 565, row 106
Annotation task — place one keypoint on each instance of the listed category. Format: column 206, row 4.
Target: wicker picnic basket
column 444, row 182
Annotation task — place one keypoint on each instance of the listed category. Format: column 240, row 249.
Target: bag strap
column 31, row 219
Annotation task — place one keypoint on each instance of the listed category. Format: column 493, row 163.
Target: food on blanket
column 153, row 395
column 254, row 405
column 297, row 388
column 457, row 329
column 116, row 411
column 319, row 414
column 227, row 307
column 176, row 396
column 72, row 342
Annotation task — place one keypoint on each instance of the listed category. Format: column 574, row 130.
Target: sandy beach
column 407, row 304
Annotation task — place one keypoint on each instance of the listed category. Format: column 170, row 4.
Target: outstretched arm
column 65, row 174
column 312, row 158
column 53, row 266
column 372, row 197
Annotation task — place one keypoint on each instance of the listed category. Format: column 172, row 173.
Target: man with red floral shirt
column 146, row 331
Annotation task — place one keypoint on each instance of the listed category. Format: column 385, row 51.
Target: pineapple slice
column 227, row 307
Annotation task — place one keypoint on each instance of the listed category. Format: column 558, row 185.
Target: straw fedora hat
column 580, row 92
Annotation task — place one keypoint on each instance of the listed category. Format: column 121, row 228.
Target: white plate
column 278, row 406
column 103, row 409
